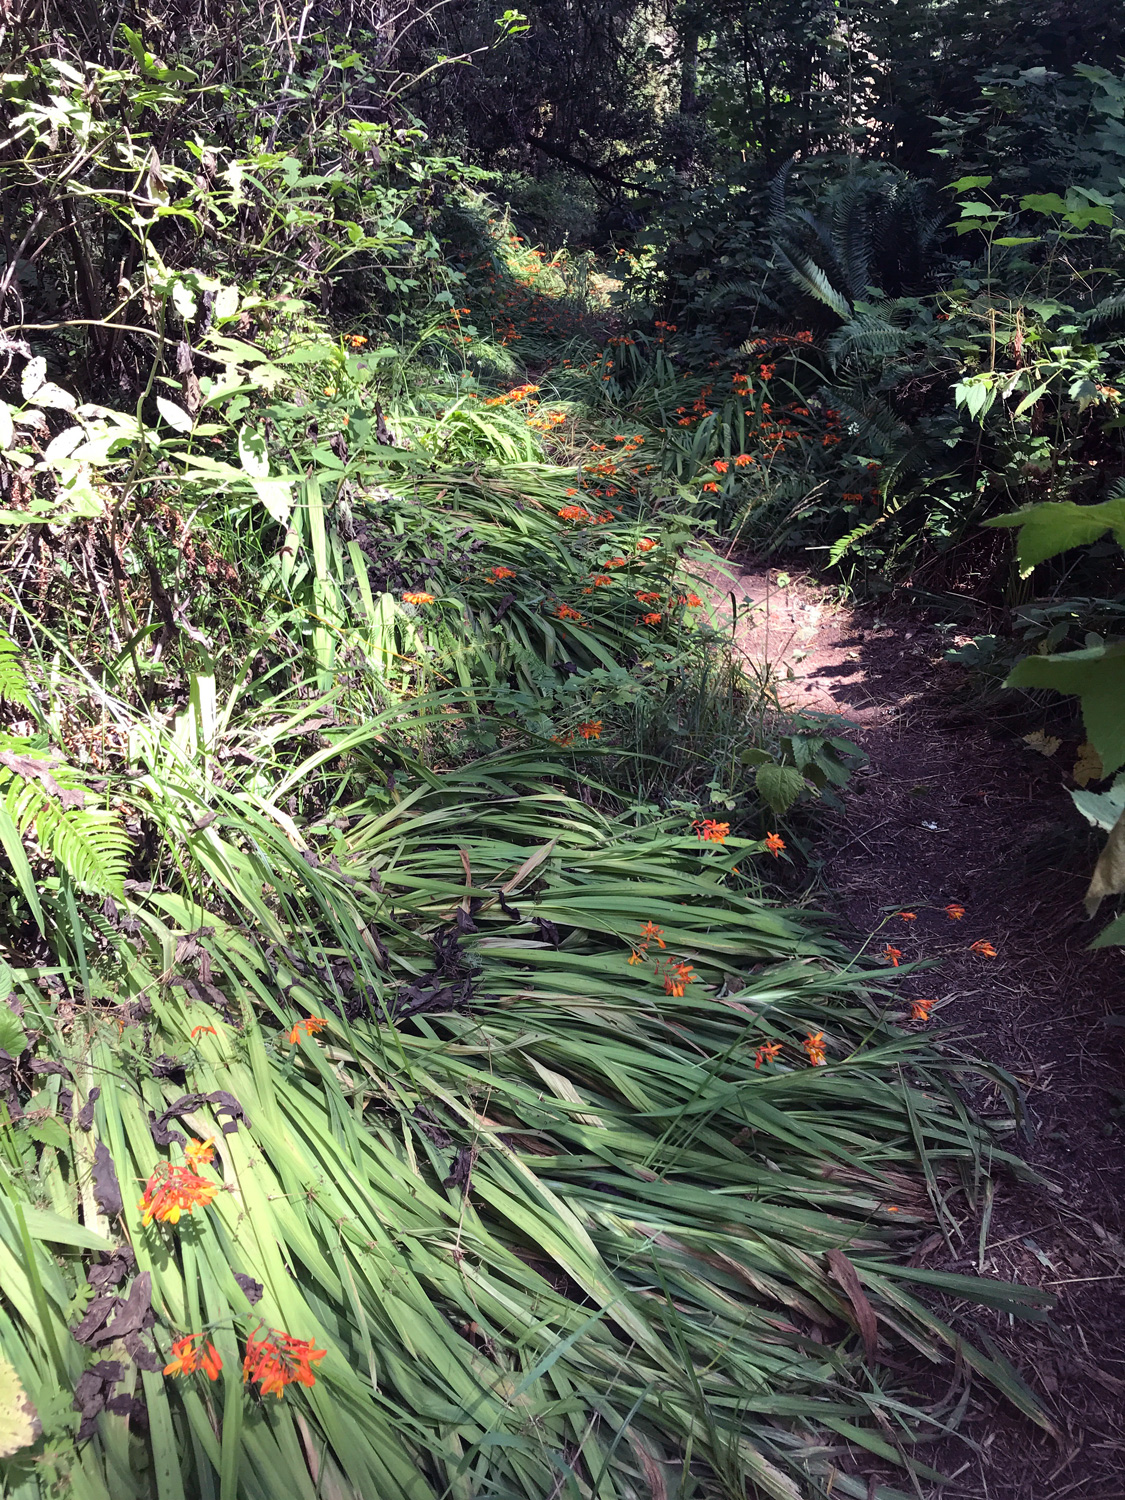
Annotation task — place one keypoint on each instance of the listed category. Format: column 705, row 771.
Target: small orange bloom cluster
column 517, row 393
column 653, row 617
column 650, row 933
column 920, row 1009
column 172, row 1190
column 953, row 911
column 276, row 1359
column 417, row 596
column 775, row 844
column 591, row 729
column 677, row 975
column 357, row 340
column 565, row 612
column 200, row 1153
column 305, row 1028
column 892, row 954
column 983, row 949
column 814, row 1046
column 190, row 1355
column 648, row 597
column 544, row 421
column 768, row 1052
column 497, row 575
column 574, row 513
column 710, row 831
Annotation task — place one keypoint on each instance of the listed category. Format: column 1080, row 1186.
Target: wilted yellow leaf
column 1109, row 872
column 1046, row 744
column 1088, row 766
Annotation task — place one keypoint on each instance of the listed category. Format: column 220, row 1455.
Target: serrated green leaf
column 1097, row 677
column 779, row 786
column 1057, row 525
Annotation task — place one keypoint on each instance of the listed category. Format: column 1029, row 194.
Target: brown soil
column 953, row 807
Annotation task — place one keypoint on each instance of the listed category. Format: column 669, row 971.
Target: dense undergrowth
column 413, row 1084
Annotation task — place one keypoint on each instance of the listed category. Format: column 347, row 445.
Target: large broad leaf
column 1098, row 678
column 1112, row 936
column 780, row 786
column 1102, row 809
column 13, row 1038
column 1109, row 873
column 19, row 1421
column 1057, row 525
column 174, row 415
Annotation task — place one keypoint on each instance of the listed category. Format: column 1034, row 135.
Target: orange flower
column 499, row 574
column 653, row 618
column 616, row 562
column 986, row 950
column 953, row 911
column 712, row 486
column 591, row 729
column 186, row 1358
column 197, row 1030
column 565, row 612
column 646, row 544
column 814, row 1046
column 721, row 465
column 693, row 601
column 892, row 953
column 279, row 1360
column 172, row 1190
column 775, row 844
column 600, row 580
column 711, row 832
column 742, row 460
column 908, row 916
column 647, row 598
column 418, row 596
column 651, row 933
column 200, row 1153
column 766, row 1053
column 574, row 513
column 920, row 1009
column 305, row 1028
column 676, row 976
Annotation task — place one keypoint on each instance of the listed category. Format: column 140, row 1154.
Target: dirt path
column 954, row 808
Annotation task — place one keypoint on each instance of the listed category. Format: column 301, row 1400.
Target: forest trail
column 952, row 808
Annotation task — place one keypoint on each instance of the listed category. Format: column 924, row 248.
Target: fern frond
column 89, row 844
column 811, row 279
column 873, row 417
column 867, row 334
column 1107, row 319
column 13, row 683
